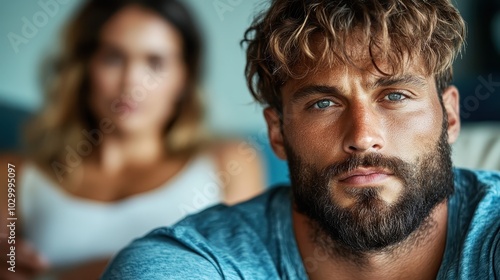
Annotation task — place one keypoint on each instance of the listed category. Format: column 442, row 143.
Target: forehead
column 358, row 58
column 365, row 67
column 136, row 28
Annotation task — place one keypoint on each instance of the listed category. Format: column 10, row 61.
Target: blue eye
column 396, row 96
column 325, row 103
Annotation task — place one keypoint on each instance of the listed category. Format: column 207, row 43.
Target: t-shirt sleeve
column 496, row 257
column 159, row 258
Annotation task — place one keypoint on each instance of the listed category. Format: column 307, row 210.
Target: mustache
column 395, row 165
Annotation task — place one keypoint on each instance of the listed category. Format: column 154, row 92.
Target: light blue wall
column 19, row 67
column 230, row 107
column 229, row 101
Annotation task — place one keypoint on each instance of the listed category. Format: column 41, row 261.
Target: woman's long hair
column 66, row 113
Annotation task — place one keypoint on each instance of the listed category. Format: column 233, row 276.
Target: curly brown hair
column 396, row 30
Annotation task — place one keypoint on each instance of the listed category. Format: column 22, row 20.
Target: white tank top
column 69, row 230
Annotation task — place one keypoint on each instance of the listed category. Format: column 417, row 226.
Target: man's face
column 368, row 154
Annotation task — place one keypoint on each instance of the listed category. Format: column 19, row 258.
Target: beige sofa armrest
column 478, row 146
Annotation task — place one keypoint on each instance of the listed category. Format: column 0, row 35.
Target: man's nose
column 364, row 130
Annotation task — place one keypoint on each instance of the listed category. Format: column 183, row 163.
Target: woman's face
column 137, row 73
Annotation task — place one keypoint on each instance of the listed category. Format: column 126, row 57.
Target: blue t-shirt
column 255, row 239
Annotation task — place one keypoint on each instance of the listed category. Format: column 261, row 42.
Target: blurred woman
column 119, row 148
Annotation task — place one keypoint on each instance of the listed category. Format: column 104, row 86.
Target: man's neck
column 417, row 257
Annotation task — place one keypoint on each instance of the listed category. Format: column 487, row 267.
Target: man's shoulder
column 253, row 213
column 477, row 198
column 473, row 243
column 483, row 182
column 219, row 241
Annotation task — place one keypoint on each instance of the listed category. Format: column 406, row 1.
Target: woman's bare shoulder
column 242, row 165
column 233, row 149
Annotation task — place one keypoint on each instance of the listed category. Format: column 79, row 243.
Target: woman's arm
column 24, row 262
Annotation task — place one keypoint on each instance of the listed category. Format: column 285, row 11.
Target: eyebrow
column 309, row 90
column 413, row 80
column 306, row 91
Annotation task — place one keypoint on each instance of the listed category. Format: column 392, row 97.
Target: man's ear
column 451, row 105
column 274, row 131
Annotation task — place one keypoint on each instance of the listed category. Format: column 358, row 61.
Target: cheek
column 104, row 83
column 414, row 134
column 105, row 88
column 406, row 135
column 313, row 143
column 163, row 95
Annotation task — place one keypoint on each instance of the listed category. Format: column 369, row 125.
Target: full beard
column 370, row 224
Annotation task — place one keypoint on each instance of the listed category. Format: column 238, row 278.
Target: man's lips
column 362, row 176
